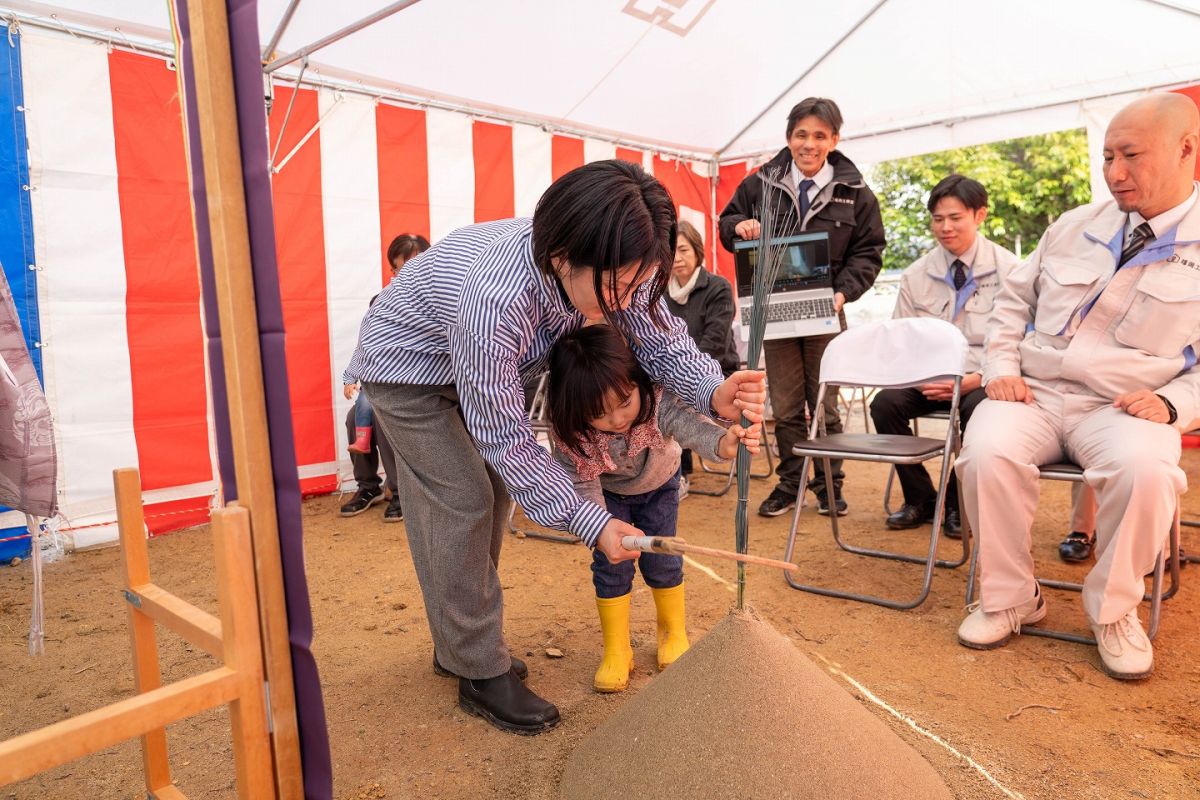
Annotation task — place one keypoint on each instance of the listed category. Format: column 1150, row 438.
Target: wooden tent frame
column 251, row 636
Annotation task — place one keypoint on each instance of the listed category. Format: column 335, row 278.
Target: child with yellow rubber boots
column 619, row 438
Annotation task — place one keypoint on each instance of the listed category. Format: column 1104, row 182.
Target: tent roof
column 718, row 76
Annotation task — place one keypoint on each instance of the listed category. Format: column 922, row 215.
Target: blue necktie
column 802, row 191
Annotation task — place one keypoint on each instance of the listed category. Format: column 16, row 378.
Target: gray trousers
column 366, row 465
column 455, row 512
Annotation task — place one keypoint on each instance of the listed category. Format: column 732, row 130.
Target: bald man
column 1091, row 358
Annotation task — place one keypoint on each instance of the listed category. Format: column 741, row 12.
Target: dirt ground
column 1037, row 715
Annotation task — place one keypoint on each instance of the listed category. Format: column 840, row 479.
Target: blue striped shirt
column 475, row 311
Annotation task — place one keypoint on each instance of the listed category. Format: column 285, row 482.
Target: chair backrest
column 895, row 353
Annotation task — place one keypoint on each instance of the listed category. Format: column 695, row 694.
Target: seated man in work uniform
column 1091, row 357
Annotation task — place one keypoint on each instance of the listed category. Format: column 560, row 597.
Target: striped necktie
column 1137, row 242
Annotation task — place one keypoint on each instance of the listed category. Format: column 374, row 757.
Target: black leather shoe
column 1076, row 547
column 507, row 703
column 393, row 513
column 518, row 666
column 910, row 516
column 952, row 524
column 777, row 502
column 361, row 501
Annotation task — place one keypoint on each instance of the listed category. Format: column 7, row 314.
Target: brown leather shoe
column 507, row 703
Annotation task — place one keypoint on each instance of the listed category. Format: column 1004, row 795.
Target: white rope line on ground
column 910, row 722
column 694, row 564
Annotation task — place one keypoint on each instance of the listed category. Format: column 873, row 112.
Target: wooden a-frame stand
column 233, row 639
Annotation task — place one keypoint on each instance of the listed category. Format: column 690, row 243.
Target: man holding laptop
column 836, row 253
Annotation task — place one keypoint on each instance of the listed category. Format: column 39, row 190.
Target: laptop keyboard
column 814, row 308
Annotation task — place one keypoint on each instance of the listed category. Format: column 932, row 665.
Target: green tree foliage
column 1030, row 182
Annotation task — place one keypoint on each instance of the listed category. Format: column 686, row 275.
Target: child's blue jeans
column 655, row 514
column 363, row 416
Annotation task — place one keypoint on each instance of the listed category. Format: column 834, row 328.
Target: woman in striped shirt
column 441, row 356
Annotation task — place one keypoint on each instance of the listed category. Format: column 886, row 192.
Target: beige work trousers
column 1131, row 464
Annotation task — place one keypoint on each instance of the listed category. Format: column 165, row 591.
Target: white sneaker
column 684, row 486
column 1125, row 650
column 986, row 630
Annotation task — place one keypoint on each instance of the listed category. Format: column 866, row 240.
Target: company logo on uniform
column 847, row 200
column 1176, row 259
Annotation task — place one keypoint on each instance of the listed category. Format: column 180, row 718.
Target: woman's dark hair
column 688, row 231
column 604, row 216
column 822, row 108
column 405, row 246
column 968, row 190
column 584, row 365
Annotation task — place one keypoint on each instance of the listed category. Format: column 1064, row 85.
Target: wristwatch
column 1172, row 414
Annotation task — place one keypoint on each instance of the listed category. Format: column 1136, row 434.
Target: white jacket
column 1134, row 337
column 924, row 292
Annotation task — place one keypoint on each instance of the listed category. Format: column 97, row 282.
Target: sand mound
column 745, row 715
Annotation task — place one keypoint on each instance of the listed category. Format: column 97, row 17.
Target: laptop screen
column 805, row 263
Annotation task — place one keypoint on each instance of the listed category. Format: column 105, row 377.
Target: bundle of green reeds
column 766, row 259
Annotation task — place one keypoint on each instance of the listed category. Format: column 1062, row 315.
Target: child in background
column 619, row 438
column 403, row 247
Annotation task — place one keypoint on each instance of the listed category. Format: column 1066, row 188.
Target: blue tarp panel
column 16, row 227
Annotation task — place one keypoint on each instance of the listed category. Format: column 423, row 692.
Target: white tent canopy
column 715, row 78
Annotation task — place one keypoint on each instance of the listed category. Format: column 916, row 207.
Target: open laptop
column 801, row 300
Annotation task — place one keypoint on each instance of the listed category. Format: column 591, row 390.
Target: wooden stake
column 675, row 546
column 226, row 211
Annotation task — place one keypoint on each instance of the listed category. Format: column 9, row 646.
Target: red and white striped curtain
column 118, row 291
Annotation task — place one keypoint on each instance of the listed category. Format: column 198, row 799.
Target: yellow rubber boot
column 672, row 632
column 613, row 672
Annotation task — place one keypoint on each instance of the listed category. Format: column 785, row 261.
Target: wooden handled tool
column 677, row 547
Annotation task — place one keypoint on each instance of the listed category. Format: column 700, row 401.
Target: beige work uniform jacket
column 924, row 292
column 1145, row 315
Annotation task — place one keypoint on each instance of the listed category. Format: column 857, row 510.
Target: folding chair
column 1073, row 473
column 541, row 427
column 847, row 403
column 887, row 490
column 893, row 354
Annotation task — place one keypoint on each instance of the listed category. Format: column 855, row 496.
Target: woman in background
column 704, row 300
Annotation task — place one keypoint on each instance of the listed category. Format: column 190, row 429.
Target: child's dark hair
column 584, row 366
column 604, row 216
column 405, row 246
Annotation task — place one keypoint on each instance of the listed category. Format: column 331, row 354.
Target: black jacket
column 709, row 317
column 845, row 207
